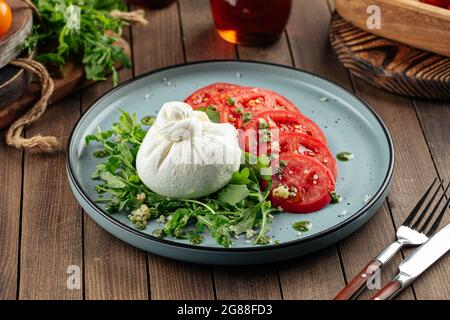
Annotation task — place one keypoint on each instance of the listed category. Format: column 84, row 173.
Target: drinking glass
column 250, row 22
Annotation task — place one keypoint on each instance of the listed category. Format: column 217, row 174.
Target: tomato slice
column 286, row 122
column 240, row 106
column 303, row 184
column 300, row 143
column 202, row 97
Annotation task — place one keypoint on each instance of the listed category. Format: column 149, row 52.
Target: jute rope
column 33, row 7
column 37, row 143
column 136, row 16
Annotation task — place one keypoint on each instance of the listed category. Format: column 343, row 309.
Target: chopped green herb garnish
column 159, row 233
column 148, row 121
column 196, row 238
column 101, row 154
column 211, row 112
column 323, row 99
column 231, row 101
column 263, row 124
column 335, row 198
column 247, row 117
column 302, row 226
column 345, row 156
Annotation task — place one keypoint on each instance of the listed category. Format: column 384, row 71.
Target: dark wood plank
column 177, row 280
column 51, row 217
column 247, row 283
column 435, row 119
column 260, row 282
column 414, row 166
column 114, row 270
column 169, row 279
column 317, row 276
column 10, row 199
column 367, row 241
column 307, row 33
column 308, row 36
column 276, row 53
column 203, row 43
column 379, row 232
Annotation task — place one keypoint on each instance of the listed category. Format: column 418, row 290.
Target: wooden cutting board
column 72, row 80
column 389, row 65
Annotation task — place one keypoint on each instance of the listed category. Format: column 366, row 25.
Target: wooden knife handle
column 389, row 291
column 358, row 283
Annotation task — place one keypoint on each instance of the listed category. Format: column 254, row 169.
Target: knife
column 415, row 264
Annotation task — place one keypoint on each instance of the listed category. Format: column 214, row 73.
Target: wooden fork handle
column 358, row 283
column 389, row 291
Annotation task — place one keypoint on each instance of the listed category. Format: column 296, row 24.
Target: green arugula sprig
column 98, row 54
column 240, row 207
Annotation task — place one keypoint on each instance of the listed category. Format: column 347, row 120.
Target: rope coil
column 37, row 143
column 136, row 16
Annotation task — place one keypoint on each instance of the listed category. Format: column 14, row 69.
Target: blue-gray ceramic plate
column 348, row 123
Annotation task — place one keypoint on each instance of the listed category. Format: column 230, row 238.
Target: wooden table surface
column 44, row 232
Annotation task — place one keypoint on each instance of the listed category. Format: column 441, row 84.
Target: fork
column 410, row 233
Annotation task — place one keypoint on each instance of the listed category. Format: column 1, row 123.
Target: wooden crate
column 407, row 21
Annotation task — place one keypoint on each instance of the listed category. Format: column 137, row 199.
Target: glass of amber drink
column 251, row 22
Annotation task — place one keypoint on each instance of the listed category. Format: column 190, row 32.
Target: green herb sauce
column 344, row 156
column 148, row 121
column 302, row 226
column 335, row 198
column 247, row 117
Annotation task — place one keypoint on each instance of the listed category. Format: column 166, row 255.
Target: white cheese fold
column 185, row 155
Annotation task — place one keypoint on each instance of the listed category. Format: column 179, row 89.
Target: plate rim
column 386, row 181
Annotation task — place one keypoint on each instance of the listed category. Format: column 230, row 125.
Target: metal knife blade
column 422, row 258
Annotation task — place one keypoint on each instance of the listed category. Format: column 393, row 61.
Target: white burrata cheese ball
column 185, row 155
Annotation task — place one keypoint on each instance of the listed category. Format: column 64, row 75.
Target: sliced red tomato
column 300, row 143
column 240, row 106
column 285, row 122
column 202, row 97
column 302, row 185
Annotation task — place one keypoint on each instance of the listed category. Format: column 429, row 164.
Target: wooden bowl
column 11, row 42
column 409, row 22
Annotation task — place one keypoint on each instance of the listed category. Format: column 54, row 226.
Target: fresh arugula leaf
column 148, row 120
column 241, row 177
column 112, row 181
column 233, row 193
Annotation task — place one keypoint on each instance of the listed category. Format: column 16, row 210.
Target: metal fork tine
column 427, row 207
column 436, row 224
column 425, row 225
column 416, row 209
